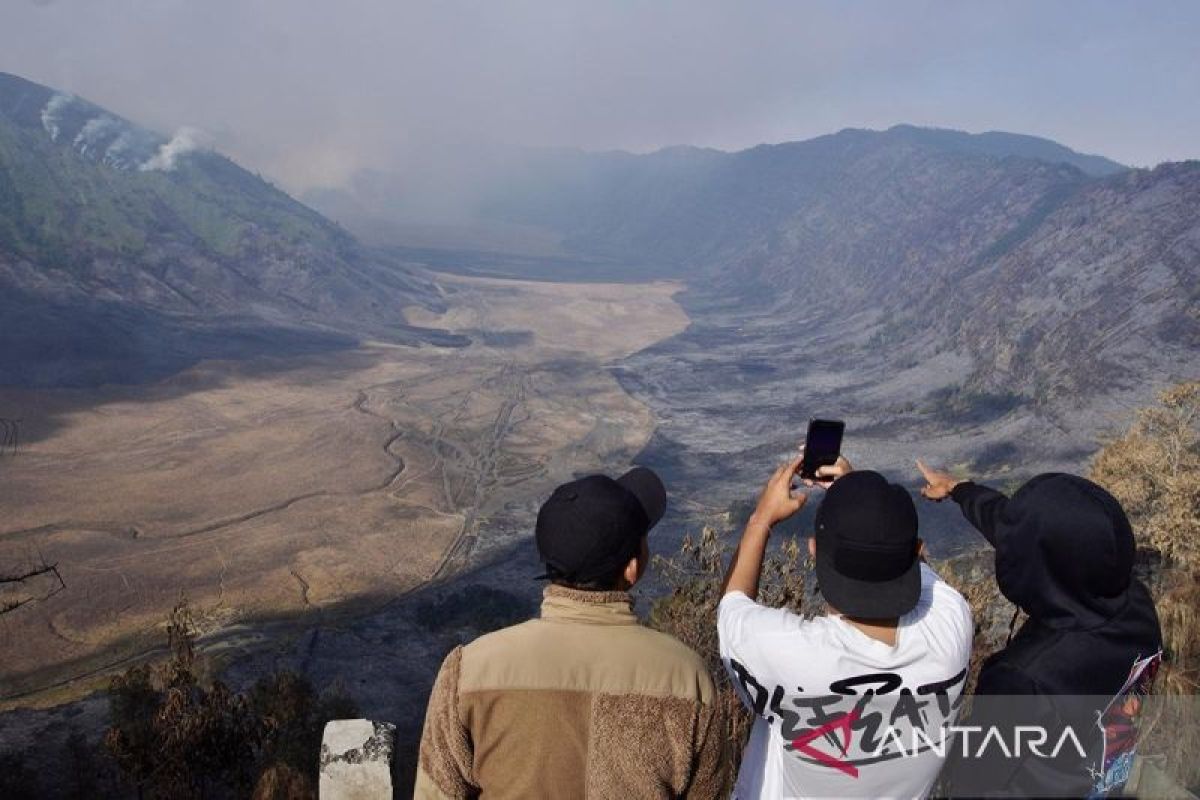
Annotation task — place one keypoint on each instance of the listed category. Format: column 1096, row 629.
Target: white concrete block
column 356, row 760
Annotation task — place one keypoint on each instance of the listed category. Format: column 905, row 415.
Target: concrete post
column 356, row 760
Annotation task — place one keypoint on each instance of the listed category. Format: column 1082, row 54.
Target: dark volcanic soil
column 733, row 394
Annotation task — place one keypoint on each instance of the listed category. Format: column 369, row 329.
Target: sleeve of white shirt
column 737, row 618
column 742, row 627
column 741, row 621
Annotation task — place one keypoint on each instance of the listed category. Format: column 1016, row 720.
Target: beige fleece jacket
column 583, row 702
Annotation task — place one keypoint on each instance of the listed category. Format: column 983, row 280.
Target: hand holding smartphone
column 822, row 445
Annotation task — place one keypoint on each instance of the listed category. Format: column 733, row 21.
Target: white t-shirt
column 840, row 714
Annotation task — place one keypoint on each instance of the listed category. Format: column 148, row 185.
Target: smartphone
column 821, row 446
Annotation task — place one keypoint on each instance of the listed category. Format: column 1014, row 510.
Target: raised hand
column 777, row 501
column 829, row 473
column 938, row 484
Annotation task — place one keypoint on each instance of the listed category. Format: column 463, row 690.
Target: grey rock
column 356, row 760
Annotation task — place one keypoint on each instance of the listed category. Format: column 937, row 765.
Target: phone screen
column 822, row 445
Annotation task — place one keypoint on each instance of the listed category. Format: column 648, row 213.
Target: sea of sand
column 275, row 491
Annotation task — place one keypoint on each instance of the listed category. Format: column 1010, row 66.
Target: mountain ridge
column 929, row 230
column 557, row 188
column 938, row 240
column 998, row 143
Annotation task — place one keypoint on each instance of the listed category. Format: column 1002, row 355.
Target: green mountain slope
column 79, row 183
column 102, row 220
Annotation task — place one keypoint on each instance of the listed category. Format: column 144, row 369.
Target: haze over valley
column 996, row 301
column 326, row 422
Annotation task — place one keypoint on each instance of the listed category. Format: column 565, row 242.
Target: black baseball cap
column 591, row 527
column 867, row 563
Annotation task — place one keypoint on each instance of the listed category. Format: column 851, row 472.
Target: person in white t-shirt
column 860, row 702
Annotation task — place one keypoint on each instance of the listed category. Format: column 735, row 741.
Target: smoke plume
column 52, row 113
column 185, row 140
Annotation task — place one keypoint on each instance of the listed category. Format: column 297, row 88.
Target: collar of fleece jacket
column 573, row 605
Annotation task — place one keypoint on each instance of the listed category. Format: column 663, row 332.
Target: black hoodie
column 1064, row 556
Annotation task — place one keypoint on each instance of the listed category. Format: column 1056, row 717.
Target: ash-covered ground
column 730, row 396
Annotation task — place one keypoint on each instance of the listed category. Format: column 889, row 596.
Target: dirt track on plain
column 272, row 489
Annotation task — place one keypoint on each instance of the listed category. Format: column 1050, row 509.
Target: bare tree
column 39, row 580
column 10, row 435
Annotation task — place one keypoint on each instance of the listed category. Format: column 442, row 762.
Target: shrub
column 1154, row 471
column 281, row 782
column 293, row 718
column 176, row 735
column 170, row 736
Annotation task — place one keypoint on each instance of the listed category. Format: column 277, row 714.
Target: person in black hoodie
column 1064, row 556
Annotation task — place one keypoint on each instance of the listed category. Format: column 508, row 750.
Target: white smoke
column 52, row 113
column 115, row 155
column 94, row 131
column 185, row 140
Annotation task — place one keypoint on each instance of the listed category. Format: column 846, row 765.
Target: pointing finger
column 926, row 472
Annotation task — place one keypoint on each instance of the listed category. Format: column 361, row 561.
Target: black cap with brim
column 868, row 599
column 867, row 564
column 594, row 525
column 648, row 488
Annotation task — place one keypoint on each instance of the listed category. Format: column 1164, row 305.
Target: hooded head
column 1064, row 552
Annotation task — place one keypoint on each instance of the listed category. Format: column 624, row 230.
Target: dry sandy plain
column 269, row 490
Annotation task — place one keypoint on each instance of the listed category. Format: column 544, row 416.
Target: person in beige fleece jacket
column 582, row 702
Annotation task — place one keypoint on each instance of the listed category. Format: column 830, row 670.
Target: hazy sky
column 306, row 91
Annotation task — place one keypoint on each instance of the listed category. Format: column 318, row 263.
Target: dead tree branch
column 22, row 579
column 10, row 435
